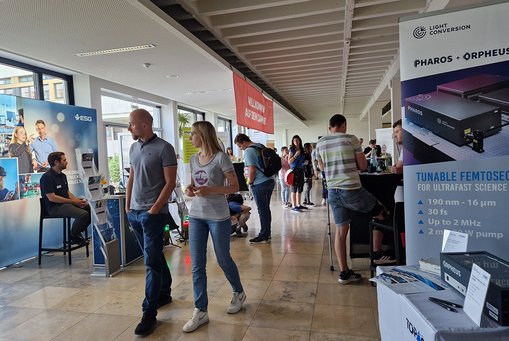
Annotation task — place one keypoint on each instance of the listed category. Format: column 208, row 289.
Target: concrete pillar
column 375, row 118
column 395, row 87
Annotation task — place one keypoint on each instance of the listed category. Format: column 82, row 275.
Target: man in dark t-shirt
column 60, row 201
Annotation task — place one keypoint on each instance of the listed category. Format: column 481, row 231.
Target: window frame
column 38, row 73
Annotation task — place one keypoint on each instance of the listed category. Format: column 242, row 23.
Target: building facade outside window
column 29, row 81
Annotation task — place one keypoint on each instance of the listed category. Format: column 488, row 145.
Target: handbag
column 289, row 177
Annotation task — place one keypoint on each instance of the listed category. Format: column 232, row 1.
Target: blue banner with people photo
column 30, row 130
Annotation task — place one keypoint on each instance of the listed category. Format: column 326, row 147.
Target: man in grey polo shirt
column 152, row 179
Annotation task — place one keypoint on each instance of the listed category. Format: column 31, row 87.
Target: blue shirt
column 252, row 157
column 298, row 162
column 3, row 194
column 42, row 149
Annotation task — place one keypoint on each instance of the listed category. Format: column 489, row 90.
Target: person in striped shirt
column 341, row 157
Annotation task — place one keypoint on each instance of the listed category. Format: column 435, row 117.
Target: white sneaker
column 236, row 302
column 199, row 317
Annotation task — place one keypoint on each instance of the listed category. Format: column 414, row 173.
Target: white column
column 395, row 87
column 375, row 118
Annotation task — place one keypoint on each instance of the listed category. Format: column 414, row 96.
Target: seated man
column 60, row 201
column 239, row 213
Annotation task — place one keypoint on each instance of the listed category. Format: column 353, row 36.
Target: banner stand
column 103, row 233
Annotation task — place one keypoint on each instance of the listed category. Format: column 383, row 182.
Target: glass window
column 46, row 91
column 22, row 79
column 59, row 90
column 117, row 109
column 26, row 79
column 192, row 115
column 54, row 89
column 7, row 91
column 118, row 143
column 27, row 91
column 17, row 81
column 224, row 131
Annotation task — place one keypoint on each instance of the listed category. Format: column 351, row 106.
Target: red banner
column 253, row 109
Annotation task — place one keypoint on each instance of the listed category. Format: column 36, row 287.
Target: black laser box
column 452, row 117
column 455, row 269
column 499, row 98
column 471, row 87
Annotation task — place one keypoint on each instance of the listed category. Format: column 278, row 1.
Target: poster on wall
column 455, row 104
column 188, row 148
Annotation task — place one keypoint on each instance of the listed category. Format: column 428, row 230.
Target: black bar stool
column 66, row 232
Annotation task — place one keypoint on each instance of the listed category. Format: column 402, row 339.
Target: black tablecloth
column 382, row 186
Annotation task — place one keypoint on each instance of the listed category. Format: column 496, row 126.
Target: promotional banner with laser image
column 30, row 130
column 455, row 104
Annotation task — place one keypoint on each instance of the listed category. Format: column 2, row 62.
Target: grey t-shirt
column 148, row 160
column 210, row 207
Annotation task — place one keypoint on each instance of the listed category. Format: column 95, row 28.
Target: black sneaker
column 381, row 257
column 163, row 300
column 310, row 203
column 79, row 240
column 348, row 276
column 259, row 240
column 146, row 325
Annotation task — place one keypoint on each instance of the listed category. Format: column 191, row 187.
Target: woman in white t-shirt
column 212, row 176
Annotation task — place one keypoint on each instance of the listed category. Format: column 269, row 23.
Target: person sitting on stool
column 239, row 214
column 60, row 201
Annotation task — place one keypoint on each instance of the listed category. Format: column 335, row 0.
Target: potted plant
column 183, row 121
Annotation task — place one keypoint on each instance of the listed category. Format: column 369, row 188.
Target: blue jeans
column 285, row 193
column 198, row 237
column 343, row 202
column 262, row 193
column 149, row 232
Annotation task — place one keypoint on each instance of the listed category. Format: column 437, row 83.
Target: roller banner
column 455, row 104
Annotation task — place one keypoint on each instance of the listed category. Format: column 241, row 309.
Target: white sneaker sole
column 350, row 280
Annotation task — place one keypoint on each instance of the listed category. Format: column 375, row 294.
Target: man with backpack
column 258, row 159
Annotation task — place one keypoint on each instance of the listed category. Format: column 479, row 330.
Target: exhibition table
column 408, row 314
column 382, row 186
column 129, row 248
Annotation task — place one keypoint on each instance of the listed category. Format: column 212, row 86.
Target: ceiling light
column 172, row 76
column 206, row 91
column 115, row 50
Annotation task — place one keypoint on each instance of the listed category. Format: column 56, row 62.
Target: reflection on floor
column 291, row 292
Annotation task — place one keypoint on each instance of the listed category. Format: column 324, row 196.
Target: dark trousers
column 149, row 230
column 262, row 193
column 81, row 216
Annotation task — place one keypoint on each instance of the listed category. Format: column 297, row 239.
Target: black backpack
column 270, row 160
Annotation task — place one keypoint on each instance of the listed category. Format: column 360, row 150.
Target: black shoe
column 310, row 203
column 381, row 257
column 302, row 207
column 259, row 240
column 79, row 240
column 305, row 203
column 146, row 325
column 348, row 276
column 163, row 300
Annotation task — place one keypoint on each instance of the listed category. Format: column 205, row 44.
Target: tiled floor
column 291, row 293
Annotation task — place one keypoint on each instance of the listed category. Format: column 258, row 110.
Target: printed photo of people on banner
column 29, row 131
